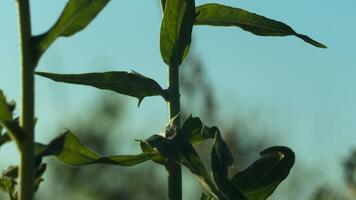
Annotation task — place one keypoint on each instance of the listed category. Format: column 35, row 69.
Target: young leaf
column 220, row 15
column 76, row 15
column 8, row 185
column 196, row 132
column 260, row 179
column 16, row 133
column 5, row 113
column 14, row 130
column 147, row 148
column 4, row 139
column 131, row 84
column 221, row 160
column 176, row 30
column 68, row 149
column 191, row 159
column 207, row 197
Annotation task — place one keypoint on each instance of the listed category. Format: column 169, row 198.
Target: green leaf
column 176, row 30
column 147, row 148
column 14, row 130
column 8, row 185
column 207, row 197
column 16, row 133
column 162, row 144
column 260, row 179
column 68, row 149
column 196, row 132
column 191, row 159
column 131, row 84
column 39, row 173
column 76, row 15
column 4, row 139
column 221, row 160
column 220, row 15
column 5, row 113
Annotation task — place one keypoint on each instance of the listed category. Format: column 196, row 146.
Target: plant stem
column 174, row 169
column 27, row 165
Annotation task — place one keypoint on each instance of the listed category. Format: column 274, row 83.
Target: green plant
column 172, row 150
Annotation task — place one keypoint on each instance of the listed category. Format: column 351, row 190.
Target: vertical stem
column 26, row 190
column 173, row 168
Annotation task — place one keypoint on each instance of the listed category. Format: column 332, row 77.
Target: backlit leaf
column 176, row 30
column 68, row 149
column 196, row 132
column 207, row 197
column 131, row 84
column 220, row 15
column 76, row 15
column 5, row 113
column 8, row 185
column 191, row 159
column 260, row 179
column 221, row 160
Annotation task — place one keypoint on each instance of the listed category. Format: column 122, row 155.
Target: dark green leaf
column 8, row 185
column 220, row 15
column 221, row 160
column 16, row 133
column 191, row 159
column 76, row 15
column 260, row 179
column 14, row 130
column 176, row 30
column 68, row 149
column 131, row 84
column 207, row 197
column 4, row 139
column 10, row 172
column 162, row 144
column 147, row 148
column 196, row 132
column 5, row 113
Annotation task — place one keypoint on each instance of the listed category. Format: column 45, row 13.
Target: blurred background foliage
column 148, row 180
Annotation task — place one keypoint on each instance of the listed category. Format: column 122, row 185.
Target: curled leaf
column 196, row 132
column 261, row 178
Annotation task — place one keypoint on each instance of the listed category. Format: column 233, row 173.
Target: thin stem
column 27, row 165
column 174, row 169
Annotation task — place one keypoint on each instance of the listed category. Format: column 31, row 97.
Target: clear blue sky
column 306, row 94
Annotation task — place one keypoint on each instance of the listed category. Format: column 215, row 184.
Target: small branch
column 27, row 165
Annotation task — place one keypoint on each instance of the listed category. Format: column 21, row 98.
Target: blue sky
column 306, row 94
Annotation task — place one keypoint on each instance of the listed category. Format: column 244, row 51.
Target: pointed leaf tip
column 68, row 149
column 76, row 15
column 221, row 15
column 131, row 84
